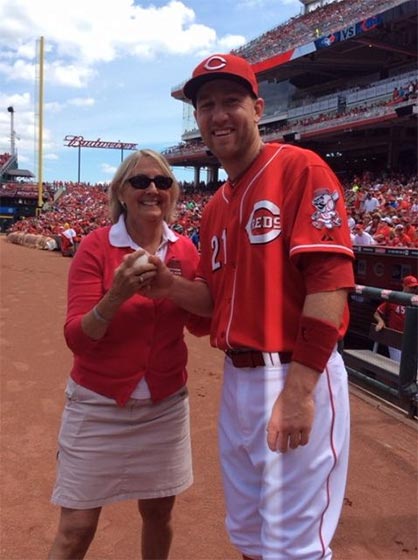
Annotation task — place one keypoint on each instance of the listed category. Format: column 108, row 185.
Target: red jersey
column 393, row 314
column 383, row 229
column 411, row 232
column 286, row 204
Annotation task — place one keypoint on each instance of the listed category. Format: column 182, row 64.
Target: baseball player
column 392, row 315
column 276, row 263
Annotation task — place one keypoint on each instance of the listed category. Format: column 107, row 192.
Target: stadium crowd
column 4, row 158
column 304, row 28
column 383, row 210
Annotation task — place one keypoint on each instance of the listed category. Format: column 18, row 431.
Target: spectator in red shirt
column 409, row 229
column 373, row 226
column 381, row 239
column 400, row 239
column 384, row 227
column 392, row 315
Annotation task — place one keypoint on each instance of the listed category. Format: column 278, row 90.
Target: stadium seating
column 304, row 28
column 85, row 207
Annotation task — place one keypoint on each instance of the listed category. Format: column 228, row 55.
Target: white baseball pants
column 282, row 506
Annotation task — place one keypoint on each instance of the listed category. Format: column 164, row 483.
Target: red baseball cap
column 227, row 66
column 410, row 282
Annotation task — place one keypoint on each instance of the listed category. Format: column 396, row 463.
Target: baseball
column 141, row 260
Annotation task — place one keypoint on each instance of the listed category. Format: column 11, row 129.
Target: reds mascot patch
column 325, row 215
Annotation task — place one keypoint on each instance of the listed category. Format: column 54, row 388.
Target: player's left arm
column 322, row 323
column 320, row 247
column 293, row 412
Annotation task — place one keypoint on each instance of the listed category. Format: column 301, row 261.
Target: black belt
column 255, row 358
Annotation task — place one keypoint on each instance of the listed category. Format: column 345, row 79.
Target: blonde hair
column 124, row 171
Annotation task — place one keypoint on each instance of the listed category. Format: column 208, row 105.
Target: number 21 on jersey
column 218, row 246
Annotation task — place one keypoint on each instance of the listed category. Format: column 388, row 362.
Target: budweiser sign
column 79, row 142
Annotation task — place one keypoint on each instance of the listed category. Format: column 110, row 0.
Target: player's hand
column 292, row 415
column 379, row 326
column 159, row 281
column 130, row 277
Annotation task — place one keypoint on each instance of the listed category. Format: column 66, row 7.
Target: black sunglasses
column 143, row 182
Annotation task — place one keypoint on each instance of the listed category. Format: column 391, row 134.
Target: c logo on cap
column 215, row 63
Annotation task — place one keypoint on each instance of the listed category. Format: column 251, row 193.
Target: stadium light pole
column 79, row 165
column 40, row 124
column 12, row 130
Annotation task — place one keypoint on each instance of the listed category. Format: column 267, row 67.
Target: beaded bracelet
column 99, row 316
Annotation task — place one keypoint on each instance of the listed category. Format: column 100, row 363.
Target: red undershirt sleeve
column 326, row 272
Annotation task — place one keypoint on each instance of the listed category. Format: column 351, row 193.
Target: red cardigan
column 144, row 338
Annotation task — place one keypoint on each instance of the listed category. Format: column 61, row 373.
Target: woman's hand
column 158, row 281
column 131, row 276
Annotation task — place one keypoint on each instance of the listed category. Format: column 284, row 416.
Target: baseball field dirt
column 379, row 518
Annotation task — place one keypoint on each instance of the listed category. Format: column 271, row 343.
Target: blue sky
column 109, row 68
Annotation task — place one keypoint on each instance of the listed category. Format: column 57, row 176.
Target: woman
column 374, row 224
column 125, row 426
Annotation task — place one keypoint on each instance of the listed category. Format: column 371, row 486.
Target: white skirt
column 109, row 453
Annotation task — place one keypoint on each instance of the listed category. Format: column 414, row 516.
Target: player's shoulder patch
column 325, row 215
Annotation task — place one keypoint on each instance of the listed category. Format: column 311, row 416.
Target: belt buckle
column 246, row 358
column 240, row 359
column 257, row 358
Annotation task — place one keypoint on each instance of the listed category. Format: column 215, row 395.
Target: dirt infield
column 379, row 516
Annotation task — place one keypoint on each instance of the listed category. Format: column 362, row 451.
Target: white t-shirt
column 363, row 239
column 70, row 233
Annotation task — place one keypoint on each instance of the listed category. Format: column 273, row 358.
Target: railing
column 407, row 388
column 371, row 112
